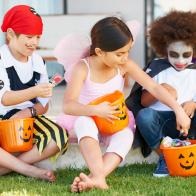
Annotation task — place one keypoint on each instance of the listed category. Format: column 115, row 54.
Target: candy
column 169, row 142
column 56, row 79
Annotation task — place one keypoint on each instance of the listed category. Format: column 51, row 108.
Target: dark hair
column 109, row 34
column 175, row 26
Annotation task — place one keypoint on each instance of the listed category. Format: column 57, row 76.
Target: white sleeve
column 194, row 97
column 43, row 79
column 4, row 81
column 155, row 78
column 44, row 76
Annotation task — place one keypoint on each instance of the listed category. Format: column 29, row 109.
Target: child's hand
column 43, row 90
column 105, row 110
column 183, row 122
column 171, row 90
column 189, row 107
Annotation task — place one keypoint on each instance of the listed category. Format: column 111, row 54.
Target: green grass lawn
column 130, row 180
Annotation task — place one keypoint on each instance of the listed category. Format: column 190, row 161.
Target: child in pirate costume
column 24, row 92
column 173, row 37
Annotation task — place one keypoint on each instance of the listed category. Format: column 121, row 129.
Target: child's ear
column 10, row 33
column 98, row 52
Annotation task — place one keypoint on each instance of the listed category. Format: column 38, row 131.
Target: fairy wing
column 70, row 50
column 134, row 27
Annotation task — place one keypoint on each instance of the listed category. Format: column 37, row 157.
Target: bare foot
column 41, row 174
column 74, row 186
column 49, row 175
column 99, row 183
column 85, row 184
column 4, row 171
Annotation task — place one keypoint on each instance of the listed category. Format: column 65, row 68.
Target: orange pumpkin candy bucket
column 105, row 127
column 16, row 135
column 181, row 161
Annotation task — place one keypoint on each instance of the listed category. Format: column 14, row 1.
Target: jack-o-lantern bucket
column 16, row 135
column 181, row 161
column 105, row 127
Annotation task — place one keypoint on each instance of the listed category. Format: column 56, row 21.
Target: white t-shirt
column 183, row 81
column 25, row 73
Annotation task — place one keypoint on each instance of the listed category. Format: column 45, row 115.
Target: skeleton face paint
column 180, row 55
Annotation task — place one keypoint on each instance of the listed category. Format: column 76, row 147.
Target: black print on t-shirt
column 1, row 84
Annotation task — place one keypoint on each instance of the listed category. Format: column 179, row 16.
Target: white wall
column 129, row 9
column 57, row 27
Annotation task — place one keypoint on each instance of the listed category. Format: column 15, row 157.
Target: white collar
column 8, row 60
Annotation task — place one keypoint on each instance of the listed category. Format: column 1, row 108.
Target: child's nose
column 182, row 60
column 124, row 59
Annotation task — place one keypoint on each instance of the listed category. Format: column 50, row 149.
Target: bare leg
column 110, row 160
column 34, row 156
column 110, row 163
column 12, row 163
column 92, row 154
column 4, row 170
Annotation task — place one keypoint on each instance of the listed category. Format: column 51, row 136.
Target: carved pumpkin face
column 104, row 126
column 181, row 161
column 186, row 162
column 25, row 133
column 123, row 110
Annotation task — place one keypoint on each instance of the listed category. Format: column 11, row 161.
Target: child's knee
column 52, row 146
column 145, row 116
column 85, row 126
column 126, row 137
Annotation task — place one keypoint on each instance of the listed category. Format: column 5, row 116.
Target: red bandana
column 23, row 19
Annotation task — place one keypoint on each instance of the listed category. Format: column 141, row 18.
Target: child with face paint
column 25, row 91
column 173, row 38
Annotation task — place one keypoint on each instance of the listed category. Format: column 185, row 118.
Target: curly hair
column 175, row 26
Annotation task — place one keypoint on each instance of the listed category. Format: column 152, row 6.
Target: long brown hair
column 109, row 34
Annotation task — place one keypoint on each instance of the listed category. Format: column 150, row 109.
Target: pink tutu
column 67, row 122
